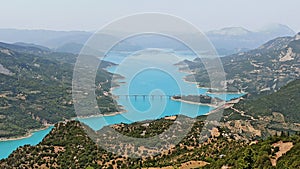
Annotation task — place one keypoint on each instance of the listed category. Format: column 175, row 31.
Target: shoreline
column 186, row 81
column 99, row 115
column 30, row 132
column 196, row 83
column 196, row 103
column 27, row 135
column 185, row 71
column 226, row 93
column 117, row 84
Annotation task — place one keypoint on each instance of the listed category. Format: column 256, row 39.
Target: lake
column 155, row 76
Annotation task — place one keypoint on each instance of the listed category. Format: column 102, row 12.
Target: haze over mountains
column 227, row 40
column 235, row 39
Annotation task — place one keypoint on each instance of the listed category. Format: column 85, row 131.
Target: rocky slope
column 263, row 70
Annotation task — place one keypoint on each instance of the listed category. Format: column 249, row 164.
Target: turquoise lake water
column 162, row 79
column 154, row 76
column 7, row 147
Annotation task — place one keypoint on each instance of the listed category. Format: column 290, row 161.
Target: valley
column 259, row 129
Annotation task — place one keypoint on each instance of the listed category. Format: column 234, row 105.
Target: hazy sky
column 92, row 14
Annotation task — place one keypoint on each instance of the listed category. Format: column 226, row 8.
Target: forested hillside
column 285, row 101
column 68, row 146
column 35, row 88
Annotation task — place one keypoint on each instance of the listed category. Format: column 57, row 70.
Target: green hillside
column 68, row 146
column 285, row 101
column 35, row 88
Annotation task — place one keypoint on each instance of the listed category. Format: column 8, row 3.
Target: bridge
column 144, row 96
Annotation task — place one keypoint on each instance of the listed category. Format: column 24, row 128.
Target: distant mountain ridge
column 271, row 30
column 227, row 40
column 48, row 38
column 235, row 39
column 32, row 45
column 32, row 49
column 230, row 31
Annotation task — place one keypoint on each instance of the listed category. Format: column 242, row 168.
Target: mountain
column 262, row 70
column 226, row 40
column 48, row 38
column 36, row 88
column 277, row 30
column 60, row 41
column 32, row 45
column 70, row 48
column 75, row 48
column 30, row 49
column 231, row 31
column 237, row 39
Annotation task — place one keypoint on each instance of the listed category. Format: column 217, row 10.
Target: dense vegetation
column 36, row 88
column 285, row 101
column 68, row 146
column 259, row 155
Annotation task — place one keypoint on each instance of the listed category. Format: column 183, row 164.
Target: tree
column 246, row 161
